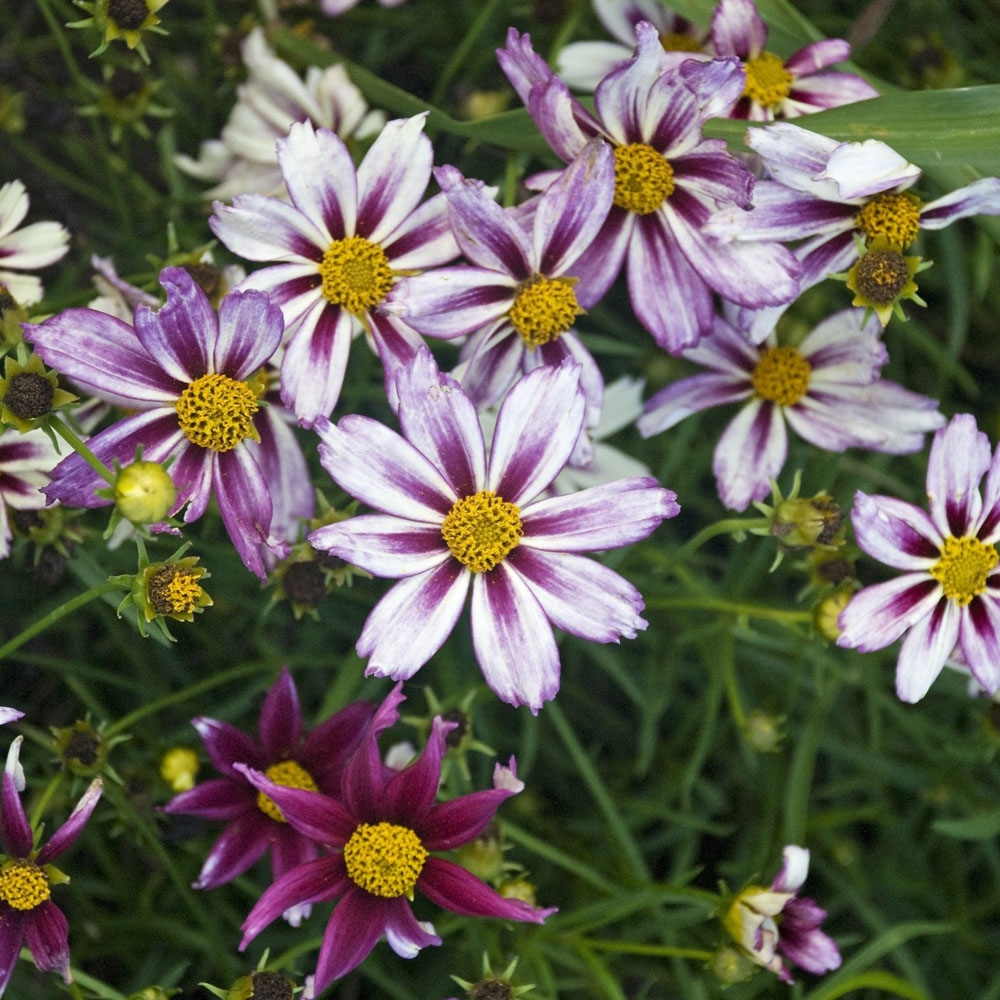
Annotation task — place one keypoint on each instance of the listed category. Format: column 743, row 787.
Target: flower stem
column 43, row 801
column 729, row 607
column 727, row 526
column 69, row 436
column 635, row 948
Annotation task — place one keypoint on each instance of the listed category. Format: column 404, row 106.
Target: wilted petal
column 63, row 838
column 861, row 169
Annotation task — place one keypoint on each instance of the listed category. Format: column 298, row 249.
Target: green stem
column 50, row 788
column 464, row 47
column 53, row 616
column 732, row 688
column 655, row 950
column 729, row 607
column 69, row 436
column 728, row 526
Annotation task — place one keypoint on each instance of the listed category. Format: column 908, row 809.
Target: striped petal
column 383, row 545
column 880, row 614
column 750, row 453
column 927, row 645
column 895, row 532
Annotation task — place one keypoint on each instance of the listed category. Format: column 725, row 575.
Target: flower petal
column 64, row 837
column 453, row 888
column 261, row 228
column 356, row 924
column 48, row 939
column 750, row 453
column 244, row 504
column 861, row 169
column 979, row 636
column 927, row 645
column 403, row 933
column 250, row 329
column 240, row 846
column 689, row 395
column 281, row 719
column 217, row 798
column 452, row 824
column 227, row 746
column 959, row 458
column 383, row 545
column 330, row 744
column 738, row 30
column 880, row 614
column 17, row 836
column 895, row 532
column 410, row 793
column 981, row 197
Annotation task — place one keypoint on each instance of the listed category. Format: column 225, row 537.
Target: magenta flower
column 949, row 594
column 192, row 375
column 383, row 830
column 27, row 912
column 828, row 389
column 449, row 520
column 255, row 823
column 668, row 182
column 338, row 250
column 799, row 85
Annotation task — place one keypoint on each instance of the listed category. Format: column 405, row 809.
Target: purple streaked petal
column 926, row 646
column 796, row 157
column 17, row 837
column 48, row 938
column 523, row 67
column 561, row 118
column 192, row 472
column 738, row 30
column 240, row 846
column 819, row 55
column 513, row 640
column 281, row 719
column 410, row 793
column 250, row 329
column 383, row 545
column 438, row 419
column 620, row 17
column 598, row 266
column 537, row 427
column 486, row 234
column 356, row 924
column 826, row 90
column 810, row 948
column 861, row 169
column 217, row 798
column 453, row 888
column 314, row 362
column 988, row 529
column 294, row 288
column 981, row 197
column 569, row 347
column 12, row 933
column 750, row 453
column 602, row 517
column 245, row 505
column 581, row 596
column 979, row 636
column 103, row 355
column 690, row 395
column 410, row 624
column 383, row 470
column 959, row 458
column 452, row 824
column 880, row 614
column 260, row 228
column 393, row 177
column 714, row 177
column 226, row 746
column 64, row 837
column 9, row 715
column 403, row 933
column 717, row 84
column 319, row 174
column 423, row 239
column 491, row 361
column 328, row 747
column 793, row 871
column 895, row 532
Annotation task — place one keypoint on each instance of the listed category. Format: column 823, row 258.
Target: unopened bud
column 144, row 492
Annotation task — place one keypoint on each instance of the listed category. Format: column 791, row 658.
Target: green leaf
column 982, row 826
column 878, row 980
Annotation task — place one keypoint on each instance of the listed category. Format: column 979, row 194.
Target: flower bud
column 144, row 492
column 827, row 613
column 178, row 768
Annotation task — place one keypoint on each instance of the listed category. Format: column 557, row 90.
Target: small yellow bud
column 730, row 965
column 484, row 855
column 518, row 888
column 828, row 611
column 144, row 492
column 178, row 768
column 762, row 731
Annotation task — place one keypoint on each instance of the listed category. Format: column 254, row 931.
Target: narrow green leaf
column 878, row 980
column 982, row 826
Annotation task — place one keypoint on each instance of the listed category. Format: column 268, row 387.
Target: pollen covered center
column 676, row 41
column 216, row 411
column 174, row 590
column 768, row 82
column 782, row 376
column 288, row 774
column 356, row 274
column 385, row 859
column 643, row 178
column 964, row 565
column 481, row 530
column 881, row 275
column 545, row 308
column 23, row 885
column 894, row 216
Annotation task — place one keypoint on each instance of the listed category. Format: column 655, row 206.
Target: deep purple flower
column 450, row 520
column 193, row 376
column 949, row 594
column 668, row 182
column 382, row 829
column 27, row 912
column 255, row 823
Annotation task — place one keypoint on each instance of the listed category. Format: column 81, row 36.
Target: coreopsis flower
column 776, row 88
column 25, row 463
column 949, row 594
column 121, row 20
column 517, row 300
column 383, row 829
column 27, row 249
column 243, row 159
column 584, row 64
column 764, row 922
column 826, row 192
column 828, row 388
column 27, row 913
column 882, row 278
column 668, row 181
column 450, row 520
column 193, row 377
column 342, row 243
column 255, row 824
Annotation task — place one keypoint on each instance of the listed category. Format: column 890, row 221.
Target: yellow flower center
column 782, row 376
column 482, row 530
column 174, row 590
column 643, row 178
column 674, row 41
column 768, row 82
column 23, row 885
column 356, row 274
column 216, row 411
column 881, row 275
column 288, row 774
column 385, row 859
column 894, row 216
column 545, row 308
column 964, row 565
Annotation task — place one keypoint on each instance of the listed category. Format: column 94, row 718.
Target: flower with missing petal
column 383, row 829
column 26, row 249
column 450, row 520
column 255, row 825
column 827, row 388
column 949, row 594
column 338, row 249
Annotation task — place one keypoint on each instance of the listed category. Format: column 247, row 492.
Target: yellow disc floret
column 356, row 274
column 894, row 216
column 643, row 178
column 882, row 275
column 963, row 568
column 545, row 308
column 216, row 411
column 782, row 376
column 23, row 885
column 384, row 859
column 675, row 41
column 174, row 590
column 481, row 530
column 768, row 82
column 288, row 774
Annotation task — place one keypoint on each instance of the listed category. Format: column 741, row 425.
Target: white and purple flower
column 25, row 463
column 949, row 593
column 451, row 520
column 27, row 249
